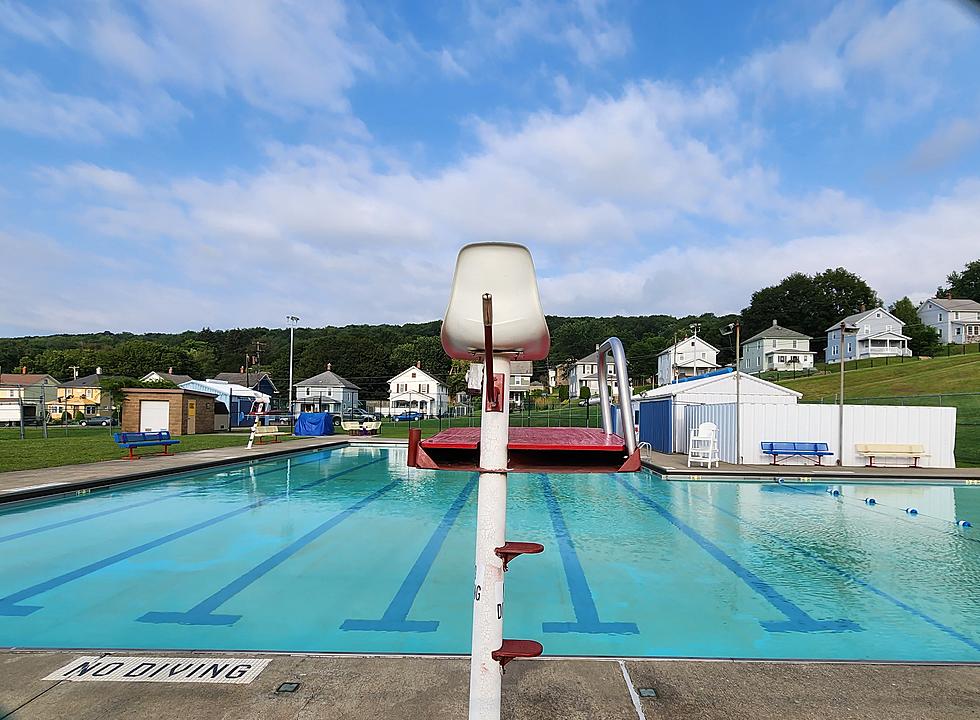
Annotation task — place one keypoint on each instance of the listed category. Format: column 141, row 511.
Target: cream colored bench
column 352, row 428
column 265, row 432
column 372, row 428
column 906, row 450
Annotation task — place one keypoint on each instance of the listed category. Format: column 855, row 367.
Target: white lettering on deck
column 240, row 671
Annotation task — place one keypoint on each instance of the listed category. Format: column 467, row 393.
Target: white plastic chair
column 702, row 446
column 506, row 271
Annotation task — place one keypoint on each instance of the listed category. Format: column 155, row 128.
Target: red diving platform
column 529, row 449
column 513, row 649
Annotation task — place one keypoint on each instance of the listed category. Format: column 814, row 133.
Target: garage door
column 154, row 415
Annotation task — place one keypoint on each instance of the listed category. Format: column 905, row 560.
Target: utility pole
column 74, row 371
column 840, row 419
column 292, row 320
column 695, row 329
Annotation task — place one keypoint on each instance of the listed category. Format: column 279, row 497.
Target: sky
column 178, row 164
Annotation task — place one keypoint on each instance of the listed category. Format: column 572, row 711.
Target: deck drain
column 288, row 687
column 647, row 692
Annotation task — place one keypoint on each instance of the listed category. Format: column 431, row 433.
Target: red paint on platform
column 513, row 649
column 530, row 438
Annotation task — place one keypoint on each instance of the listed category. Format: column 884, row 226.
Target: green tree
column 905, row 311
column 965, row 284
column 563, row 393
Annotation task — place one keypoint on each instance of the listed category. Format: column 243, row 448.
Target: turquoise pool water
column 348, row 550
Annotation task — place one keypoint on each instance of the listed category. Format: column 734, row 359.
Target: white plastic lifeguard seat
column 506, row 271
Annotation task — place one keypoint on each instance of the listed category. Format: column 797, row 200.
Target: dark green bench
column 133, row 440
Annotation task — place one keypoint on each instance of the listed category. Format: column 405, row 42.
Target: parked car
column 408, row 415
column 359, row 415
column 103, row 420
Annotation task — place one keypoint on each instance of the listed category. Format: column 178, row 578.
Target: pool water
column 348, row 550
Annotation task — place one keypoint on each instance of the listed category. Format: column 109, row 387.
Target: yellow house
column 82, row 395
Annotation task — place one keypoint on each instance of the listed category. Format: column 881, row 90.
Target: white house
column 956, row 321
column 585, row 373
column 686, row 358
column 869, row 333
column 415, row 389
column 169, row 376
column 521, row 372
column 326, row 392
column 776, row 348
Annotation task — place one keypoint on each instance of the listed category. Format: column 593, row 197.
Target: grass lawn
column 87, row 445
column 941, row 381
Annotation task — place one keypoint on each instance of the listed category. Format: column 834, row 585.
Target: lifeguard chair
column 494, row 316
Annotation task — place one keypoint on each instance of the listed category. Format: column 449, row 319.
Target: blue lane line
column 142, row 503
column 395, row 616
column 8, row 604
column 797, row 620
column 203, row 612
column 849, row 576
column 583, row 604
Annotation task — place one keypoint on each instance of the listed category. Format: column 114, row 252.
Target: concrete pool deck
column 673, row 466
column 25, row 484
column 416, row 688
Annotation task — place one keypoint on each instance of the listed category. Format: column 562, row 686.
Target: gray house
column 326, row 392
column 776, row 348
column 869, row 333
column 956, row 321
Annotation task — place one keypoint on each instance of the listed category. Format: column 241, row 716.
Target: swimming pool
column 348, row 550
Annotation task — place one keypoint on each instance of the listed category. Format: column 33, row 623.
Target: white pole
column 292, row 326
column 840, row 415
column 738, row 393
column 491, row 516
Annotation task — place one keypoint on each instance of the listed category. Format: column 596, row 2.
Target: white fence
column 932, row 427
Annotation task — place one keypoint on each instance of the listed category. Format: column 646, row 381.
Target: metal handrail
column 614, row 346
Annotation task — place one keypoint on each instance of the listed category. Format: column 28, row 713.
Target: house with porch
column 585, row 373
column 28, row 387
column 415, row 389
column 868, row 334
column 686, row 358
column 326, row 392
column 956, row 320
column 81, row 396
column 776, row 348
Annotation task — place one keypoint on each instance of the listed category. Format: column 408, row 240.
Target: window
column 956, row 316
column 833, row 349
column 782, row 358
column 424, row 387
column 877, row 314
column 958, row 330
column 794, row 344
column 940, row 317
column 401, row 387
column 850, row 347
column 702, row 356
column 888, row 328
column 794, row 359
column 413, row 376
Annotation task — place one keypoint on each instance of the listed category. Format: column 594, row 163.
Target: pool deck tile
column 413, row 688
column 673, row 466
column 23, row 484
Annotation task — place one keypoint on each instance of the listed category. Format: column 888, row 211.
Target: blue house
column 868, row 334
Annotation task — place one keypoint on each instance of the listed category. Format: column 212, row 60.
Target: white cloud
column 24, row 22
column 28, row 106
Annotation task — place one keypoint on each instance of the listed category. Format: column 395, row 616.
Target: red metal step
column 510, row 550
column 513, row 649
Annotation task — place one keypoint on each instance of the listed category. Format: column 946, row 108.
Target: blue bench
column 133, row 440
column 796, row 449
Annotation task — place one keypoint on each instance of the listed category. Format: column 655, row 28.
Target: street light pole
column 292, row 320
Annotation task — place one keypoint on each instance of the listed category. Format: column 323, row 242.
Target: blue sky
column 172, row 164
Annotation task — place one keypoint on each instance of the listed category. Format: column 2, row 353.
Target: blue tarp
column 314, row 424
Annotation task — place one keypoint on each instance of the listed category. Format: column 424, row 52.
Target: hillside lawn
column 940, row 381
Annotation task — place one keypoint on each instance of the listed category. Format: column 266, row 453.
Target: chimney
column 329, row 366
column 774, row 322
column 949, row 295
column 23, row 370
column 418, row 364
column 170, row 371
column 98, row 371
column 241, row 368
column 862, row 307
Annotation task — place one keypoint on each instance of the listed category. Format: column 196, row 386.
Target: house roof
column 777, row 332
column 247, row 379
column 413, row 368
column 956, row 304
column 89, row 381
column 175, row 378
column 23, row 379
column 328, row 378
column 789, row 351
column 698, row 384
column 856, row 318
